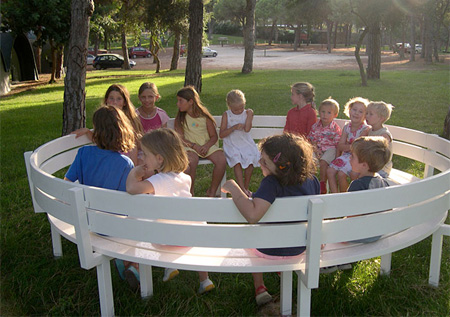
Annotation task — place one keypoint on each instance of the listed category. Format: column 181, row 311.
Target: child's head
column 372, row 150
column 352, row 102
column 118, row 97
column 188, row 100
column 112, row 130
column 328, row 110
column 165, row 146
column 288, row 157
column 381, row 110
column 148, row 94
column 305, row 89
column 356, row 109
column 236, row 101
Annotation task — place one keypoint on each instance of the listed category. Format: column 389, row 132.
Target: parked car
column 398, row 46
column 418, row 48
column 90, row 59
column 99, row 51
column 207, row 52
column 104, row 61
column 134, row 52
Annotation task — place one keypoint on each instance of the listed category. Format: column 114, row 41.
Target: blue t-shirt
column 367, row 182
column 101, row 168
column 270, row 189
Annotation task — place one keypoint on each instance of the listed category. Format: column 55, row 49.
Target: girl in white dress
column 240, row 149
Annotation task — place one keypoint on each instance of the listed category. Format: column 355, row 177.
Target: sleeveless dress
column 239, row 146
column 197, row 132
column 342, row 163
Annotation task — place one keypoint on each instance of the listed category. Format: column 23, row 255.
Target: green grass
column 33, row 283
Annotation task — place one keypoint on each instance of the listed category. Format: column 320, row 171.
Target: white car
column 207, row 52
column 89, row 59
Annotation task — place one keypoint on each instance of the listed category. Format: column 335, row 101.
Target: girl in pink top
column 300, row 119
column 151, row 116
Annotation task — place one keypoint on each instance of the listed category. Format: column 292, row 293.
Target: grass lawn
column 33, row 283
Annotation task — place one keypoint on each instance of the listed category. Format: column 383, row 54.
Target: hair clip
column 277, row 157
column 281, row 167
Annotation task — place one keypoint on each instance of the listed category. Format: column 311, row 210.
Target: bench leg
column 385, row 266
column 286, row 293
column 146, row 279
column 105, row 288
column 56, row 242
column 436, row 254
column 303, row 299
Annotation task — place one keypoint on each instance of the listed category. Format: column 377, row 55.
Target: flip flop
column 120, row 267
column 132, row 277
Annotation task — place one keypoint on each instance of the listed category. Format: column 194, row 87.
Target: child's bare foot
column 209, row 193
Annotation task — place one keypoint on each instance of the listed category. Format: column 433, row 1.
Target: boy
column 378, row 112
column 325, row 135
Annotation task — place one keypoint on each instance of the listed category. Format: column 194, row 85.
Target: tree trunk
column 428, row 39
column 297, row 37
column 176, row 51
column 126, row 59
column 412, row 42
column 272, row 31
column 329, row 30
column 74, row 108
column 53, row 55
column 335, row 34
column 446, row 133
column 362, row 72
column 59, row 61
column 374, row 51
column 193, row 75
column 249, row 36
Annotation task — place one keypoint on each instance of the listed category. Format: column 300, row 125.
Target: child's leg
column 262, row 296
column 343, row 183
column 206, row 284
column 192, row 167
column 331, row 175
column 220, row 163
column 239, row 175
column 248, row 175
column 323, row 165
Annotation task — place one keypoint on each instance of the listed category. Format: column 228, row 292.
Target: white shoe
column 328, row 269
column 206, row 286
column 170, row 274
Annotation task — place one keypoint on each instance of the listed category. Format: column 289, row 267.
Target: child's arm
column 83, row 131
column 248, row 121
column 224, row 131
column 213, row 137
column 252, row 210
column 180, row 132
column 342, row 145
column 136, row 184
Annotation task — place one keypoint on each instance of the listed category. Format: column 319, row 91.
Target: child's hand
column 140, row 172
column 249, row 112
column 238, row 126
column 203, row 150
column 81, row 132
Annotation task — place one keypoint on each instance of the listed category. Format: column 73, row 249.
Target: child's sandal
column 262, row 296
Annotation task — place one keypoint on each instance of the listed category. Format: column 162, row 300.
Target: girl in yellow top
column 197, row 128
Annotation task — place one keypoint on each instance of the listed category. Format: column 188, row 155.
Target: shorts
column 329, row 155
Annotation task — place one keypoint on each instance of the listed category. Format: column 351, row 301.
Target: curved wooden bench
column 104, row 226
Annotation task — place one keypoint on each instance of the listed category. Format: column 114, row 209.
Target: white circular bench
column 107, row 224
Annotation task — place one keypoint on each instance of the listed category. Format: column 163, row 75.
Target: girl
column 102, row 165
column 288, row 167
column 197, row 129
column 165, row 160
column 355, row 109
column 119, row 97
column 300, row 119
column 239, row 147
column 151, row 116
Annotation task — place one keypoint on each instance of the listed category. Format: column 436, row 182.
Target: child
column 300, row 119
column 288, row 167
column 102, row 165
column 197, row 129
column 369, row 155
column 239, row 148
column 165, row 160
column 378, row 112
column 325, row 135
column 355, row 109
column 151, row 116
column 119, row 97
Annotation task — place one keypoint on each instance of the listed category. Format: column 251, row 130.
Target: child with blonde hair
column 197, row 129
column 355, row 109
column 325, row 135
column 165, row 159
column 239, row 148
column 288, row 167
column 300, row 119
column 378, row 112
column 151, row 117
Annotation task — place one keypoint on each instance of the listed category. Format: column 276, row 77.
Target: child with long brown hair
column 197, row 129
